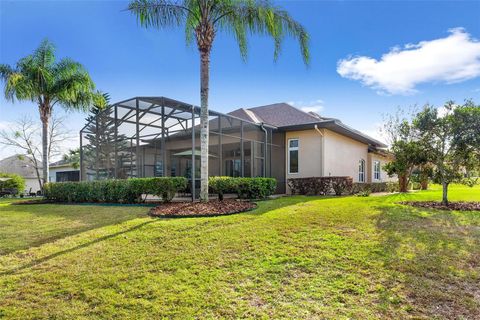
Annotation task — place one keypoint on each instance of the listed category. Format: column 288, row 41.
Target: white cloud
column 454, row 58
column 309, row 106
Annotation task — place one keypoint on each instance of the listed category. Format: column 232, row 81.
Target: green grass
column 297, row 257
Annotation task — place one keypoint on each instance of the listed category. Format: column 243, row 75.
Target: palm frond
column 262, row 18
column 44, row 55
column 5, row 71
column 160, row 13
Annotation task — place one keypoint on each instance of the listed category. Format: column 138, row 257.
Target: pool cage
column 158, row 137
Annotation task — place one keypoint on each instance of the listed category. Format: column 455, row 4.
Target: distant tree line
column 442, row 144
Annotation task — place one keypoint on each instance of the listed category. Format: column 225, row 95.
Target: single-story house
column 24, row 167
column 158, row 136
column 62, row 171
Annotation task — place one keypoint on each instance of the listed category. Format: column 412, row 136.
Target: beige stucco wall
column 309, row 153
column 383, row 175
column 342, row 155
column 332, row 155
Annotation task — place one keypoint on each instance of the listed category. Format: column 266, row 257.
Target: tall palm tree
column 41, row 79
column 202, row 19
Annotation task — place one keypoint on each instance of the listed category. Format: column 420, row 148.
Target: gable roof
column 282, row 114
column 288, row 118
column 61, row 163
column 18, row 164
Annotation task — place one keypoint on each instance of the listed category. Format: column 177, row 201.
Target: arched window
column 361, row 170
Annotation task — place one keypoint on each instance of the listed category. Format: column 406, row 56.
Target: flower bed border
column 155, row 215
column 456, row 205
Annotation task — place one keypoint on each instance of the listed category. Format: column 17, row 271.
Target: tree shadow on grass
column 432, row 258
column 75, row 248
column 27, row 226
column 265, row 206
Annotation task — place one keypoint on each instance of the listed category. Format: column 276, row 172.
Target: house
column 62, row 171
column 24, row 167
column 158, row 136
column 318, row 146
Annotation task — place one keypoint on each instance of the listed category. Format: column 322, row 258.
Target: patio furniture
column 4, row 192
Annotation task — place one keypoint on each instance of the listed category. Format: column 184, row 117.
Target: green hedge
column 320, row 185
column 337, row 186
column 245, row 188
column 115, row 191
column 16, row 182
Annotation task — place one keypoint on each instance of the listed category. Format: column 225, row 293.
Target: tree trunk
column 424, row 184
column 45, row 113
column 205, row 35
column 445, row 194
column 204, row 81
column 402, row 181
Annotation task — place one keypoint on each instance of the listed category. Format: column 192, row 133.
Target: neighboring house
column 22, row 165
column 62, row 171
column 158, row 136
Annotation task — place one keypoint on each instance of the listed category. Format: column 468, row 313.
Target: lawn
column 295, row 257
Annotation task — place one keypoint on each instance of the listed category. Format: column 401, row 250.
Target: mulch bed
column 201, row 209
column 461, row 206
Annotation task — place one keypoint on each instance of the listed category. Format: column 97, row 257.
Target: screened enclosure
column 158, row 137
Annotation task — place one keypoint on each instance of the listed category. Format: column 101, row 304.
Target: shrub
column 167, row 187
column 393, row 187
column 116, row 190
column 364, row 193
column 373, row 187
column 416, row 186
column 300, row 186
column 16, row 182
column 341, row 185
column 320, row 185
column 222, row 185
column 255, row 188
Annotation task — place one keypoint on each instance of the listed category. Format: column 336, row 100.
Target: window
column 361, row 171
column 65, row 176
column 292, row 156
column 233, row 167
column 158, row 169
column 376, row 170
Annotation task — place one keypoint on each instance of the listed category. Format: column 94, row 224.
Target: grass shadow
column 266, row 206
column 75, row 248
column 433, row 259
column 25, row 226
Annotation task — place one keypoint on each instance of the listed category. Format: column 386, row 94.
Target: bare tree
column 25, row 136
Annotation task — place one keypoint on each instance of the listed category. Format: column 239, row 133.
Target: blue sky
column 126, row 60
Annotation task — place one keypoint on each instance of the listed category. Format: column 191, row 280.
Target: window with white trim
column 361, row 170
column 376, row 170
column 292, row 156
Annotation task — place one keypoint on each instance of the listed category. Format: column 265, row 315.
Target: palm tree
column 42, row 80
column 202, row 19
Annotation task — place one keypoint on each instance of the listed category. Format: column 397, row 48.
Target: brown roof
column 286, row 117
column 282, row 114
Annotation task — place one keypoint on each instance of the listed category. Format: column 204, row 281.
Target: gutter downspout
column 266, row 153
column 322, row 155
